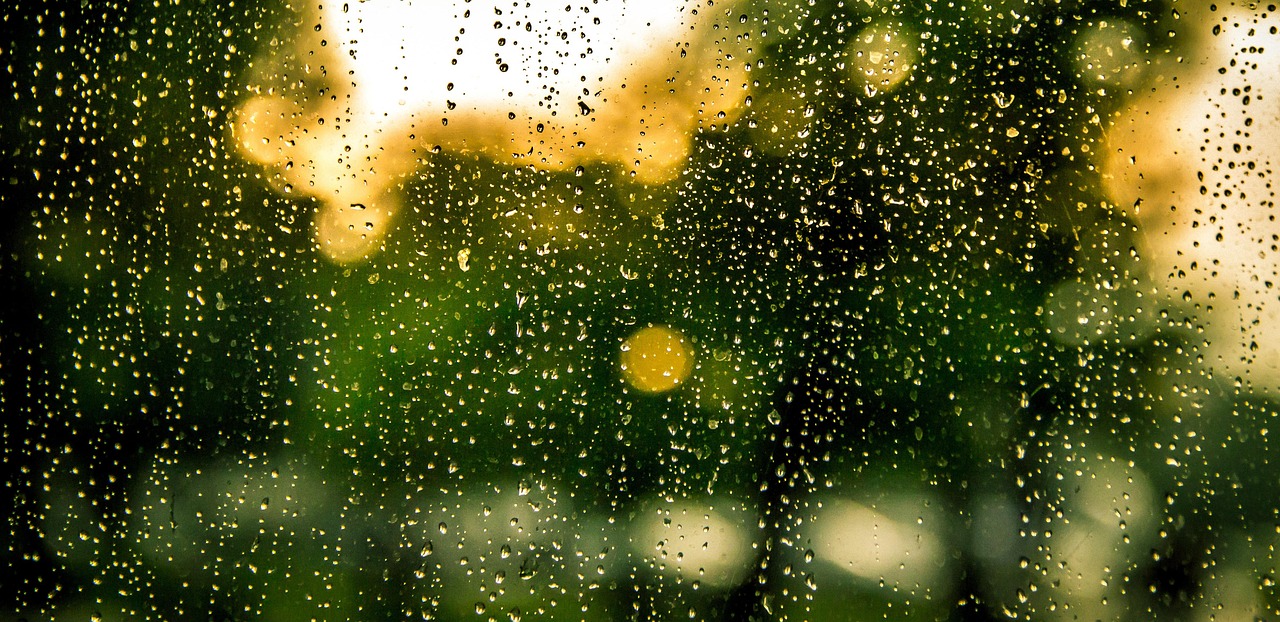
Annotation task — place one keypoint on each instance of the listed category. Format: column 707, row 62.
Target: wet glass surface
column 639, row 310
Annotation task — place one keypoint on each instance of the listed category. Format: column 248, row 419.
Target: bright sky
column 550, row 50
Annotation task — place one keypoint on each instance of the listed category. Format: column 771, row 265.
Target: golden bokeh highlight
column 882, row 56
column 1110, row 53
column 656, row 359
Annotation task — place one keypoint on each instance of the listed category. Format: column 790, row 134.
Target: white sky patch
column 527, row 57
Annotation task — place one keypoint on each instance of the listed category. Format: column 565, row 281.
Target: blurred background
column 741, row 310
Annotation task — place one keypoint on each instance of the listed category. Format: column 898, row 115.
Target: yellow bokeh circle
column 883, row 56
column 656, row 359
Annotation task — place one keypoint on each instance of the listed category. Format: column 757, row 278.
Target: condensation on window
column 639, row 310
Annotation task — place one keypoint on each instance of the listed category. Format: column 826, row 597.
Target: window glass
column 645, row 310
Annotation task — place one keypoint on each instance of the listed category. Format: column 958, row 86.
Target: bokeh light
column 656, row 359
